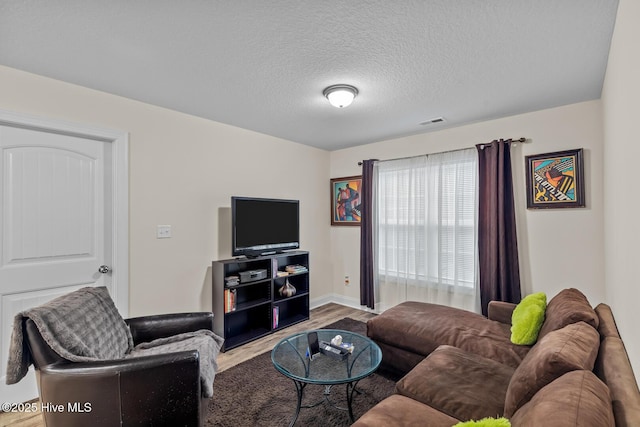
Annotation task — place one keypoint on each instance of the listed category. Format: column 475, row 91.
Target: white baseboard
column 339, row 299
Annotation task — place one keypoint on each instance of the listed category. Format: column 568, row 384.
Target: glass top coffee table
column 290, row 357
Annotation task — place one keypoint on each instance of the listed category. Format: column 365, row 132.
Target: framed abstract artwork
column 345, row 200
column 555, row 180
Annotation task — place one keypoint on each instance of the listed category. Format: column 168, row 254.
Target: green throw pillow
column 527, row 319
column 485, row 422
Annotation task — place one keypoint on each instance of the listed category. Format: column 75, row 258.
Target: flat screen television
column 264, row 226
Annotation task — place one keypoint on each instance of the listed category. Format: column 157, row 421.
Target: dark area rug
column 253, row 393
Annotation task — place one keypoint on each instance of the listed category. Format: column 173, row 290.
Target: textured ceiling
column 262, row 65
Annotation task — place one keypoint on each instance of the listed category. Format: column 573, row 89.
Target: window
column 426, row 210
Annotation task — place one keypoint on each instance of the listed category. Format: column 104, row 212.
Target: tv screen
column 262, row 226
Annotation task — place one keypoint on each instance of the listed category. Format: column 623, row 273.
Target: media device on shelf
column 264, row 226
column 252, row 275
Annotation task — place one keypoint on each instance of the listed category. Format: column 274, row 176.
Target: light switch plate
column 163, row 232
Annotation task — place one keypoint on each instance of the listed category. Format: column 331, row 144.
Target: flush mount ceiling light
column 340, row 95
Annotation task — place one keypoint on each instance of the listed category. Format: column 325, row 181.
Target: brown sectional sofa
column 460, row 365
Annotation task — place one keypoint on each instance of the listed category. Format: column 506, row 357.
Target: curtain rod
column 521, row 139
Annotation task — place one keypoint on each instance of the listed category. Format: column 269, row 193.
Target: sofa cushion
column 567, row 307
column 461, row 384
column 527, row 319
column 571, row 348
column 577, row 398
column 400, row 411
column 421, row 327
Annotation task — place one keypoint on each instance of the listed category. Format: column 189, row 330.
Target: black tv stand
column 257, row 254
column 257, row 308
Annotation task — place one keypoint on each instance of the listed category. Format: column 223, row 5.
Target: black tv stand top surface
column 265, row 255
column 260, row 254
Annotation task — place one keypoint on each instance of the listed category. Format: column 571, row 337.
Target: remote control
column 331, row 349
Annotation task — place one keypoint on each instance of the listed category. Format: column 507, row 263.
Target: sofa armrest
column 501, row 311
column 161, row 389
column 149, row 328
column 121, row 366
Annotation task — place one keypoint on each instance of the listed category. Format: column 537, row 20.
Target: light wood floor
column 319, row 317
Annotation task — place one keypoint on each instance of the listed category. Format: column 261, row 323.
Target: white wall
column 620, row 100
column 558, row 248
column 183, row 170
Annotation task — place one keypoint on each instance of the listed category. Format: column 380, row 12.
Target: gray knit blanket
column 85, row 326
column 206, row 342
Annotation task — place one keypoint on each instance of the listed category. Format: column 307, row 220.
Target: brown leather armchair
column 157, row 390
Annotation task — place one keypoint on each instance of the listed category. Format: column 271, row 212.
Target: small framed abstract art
column 555, row 180
column 345, row 200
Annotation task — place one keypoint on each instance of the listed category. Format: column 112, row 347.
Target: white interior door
column 58, row 191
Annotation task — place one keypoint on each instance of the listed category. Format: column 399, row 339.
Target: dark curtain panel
column 497, row 241
column 366, row 236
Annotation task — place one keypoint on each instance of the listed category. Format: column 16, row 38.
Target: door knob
column 104, row 269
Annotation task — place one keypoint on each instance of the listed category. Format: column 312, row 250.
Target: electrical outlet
column 346, row 280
